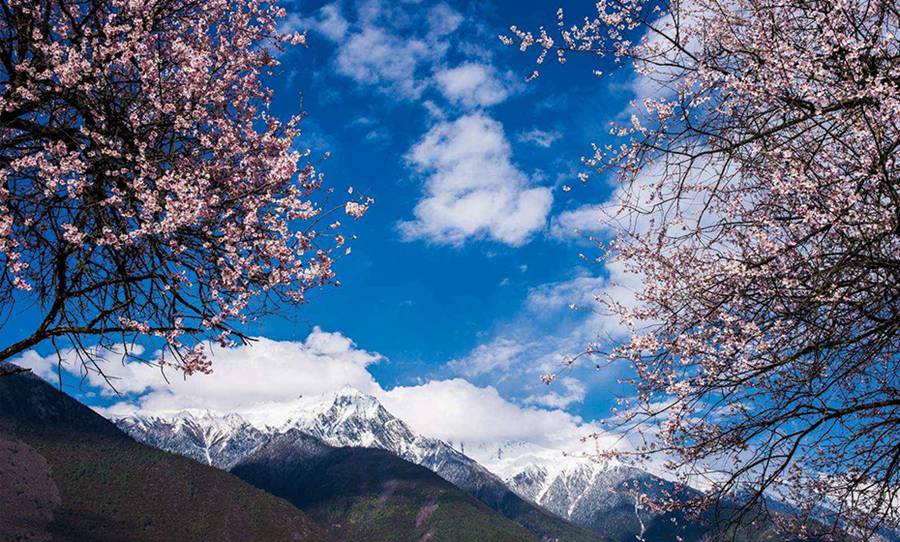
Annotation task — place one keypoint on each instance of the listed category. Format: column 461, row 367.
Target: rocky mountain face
column 220, row 441
column 347, row 418
column 601, row 496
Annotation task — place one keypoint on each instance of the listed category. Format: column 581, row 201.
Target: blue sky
column 423, row 302
column 422, row 107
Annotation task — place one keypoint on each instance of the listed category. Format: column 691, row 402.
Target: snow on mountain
column 568, row 481
column 574, row 488
column 347, row 417
column 344, row 418
column 209, row 437
column 579, row 489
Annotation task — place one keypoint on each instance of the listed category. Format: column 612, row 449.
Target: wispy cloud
column 493, row 357
column 573, row 391
column 580, row 222
column 392, row 47
column 542, row 138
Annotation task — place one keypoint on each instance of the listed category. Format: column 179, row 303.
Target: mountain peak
column 359, row 402
column 350, row 391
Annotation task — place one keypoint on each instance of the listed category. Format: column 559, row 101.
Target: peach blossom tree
column 145, row 189
column 760, row 208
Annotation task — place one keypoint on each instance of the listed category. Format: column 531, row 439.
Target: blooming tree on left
column 144, row 188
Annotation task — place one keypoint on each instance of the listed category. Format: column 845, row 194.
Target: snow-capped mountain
column 347, row 418
column 598, row 495
column 207, row 437
column 554, row 495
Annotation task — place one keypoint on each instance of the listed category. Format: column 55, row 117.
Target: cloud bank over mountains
column 269, row 372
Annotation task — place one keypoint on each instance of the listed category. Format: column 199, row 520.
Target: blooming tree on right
column 761, row 208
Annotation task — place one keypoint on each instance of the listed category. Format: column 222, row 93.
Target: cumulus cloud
column 473, row 85
column 473, row 190
column 457, row 410
column 267, row 370
column 402, row 49
column 541, row 138
column 377, row 57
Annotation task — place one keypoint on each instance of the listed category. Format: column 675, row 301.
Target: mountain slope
column 220, row 441
column 601, row 496
column 347, row 418
column 67, row 474
column 370, row 494
column 597, row 495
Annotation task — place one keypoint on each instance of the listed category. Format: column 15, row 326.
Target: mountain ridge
column 554, row 496
column 344, row 418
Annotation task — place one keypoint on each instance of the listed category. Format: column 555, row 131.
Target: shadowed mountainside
column 371, row 494
column 66, row 474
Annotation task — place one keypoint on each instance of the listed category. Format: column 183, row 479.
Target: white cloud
column 443, row 20
column 579, row 222
column 267, row 370
column 557, row 321
column 130, row 377
column 547, row 330
column 270, row 375
column 472, row 85
column 553, row 296
column 402, row 49
column 376, row 57
column 493, row 357
column 458, row 411
column 574, row 391
column 328, row 21
column 539, row 137
column 389, row 46
column 635, row 206
column 501, row 435
column 473, row 190
column 585, row 294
